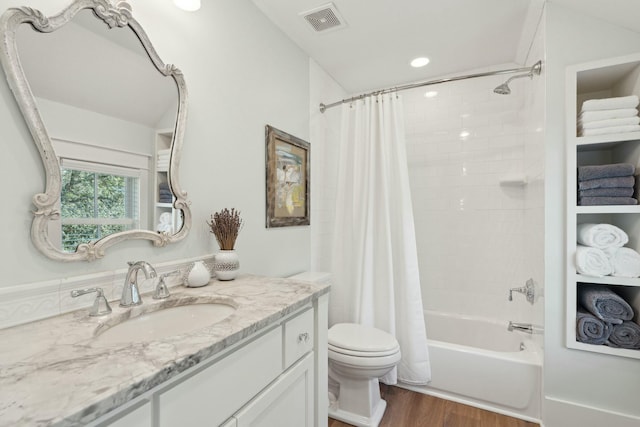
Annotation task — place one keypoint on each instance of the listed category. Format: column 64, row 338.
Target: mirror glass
column 113, row 118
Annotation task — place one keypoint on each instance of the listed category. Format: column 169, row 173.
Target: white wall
column 242, row 73
column 325, row 140
column 576, row 379
column 471, row 231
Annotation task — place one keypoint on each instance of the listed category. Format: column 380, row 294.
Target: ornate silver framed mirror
column 108, row 118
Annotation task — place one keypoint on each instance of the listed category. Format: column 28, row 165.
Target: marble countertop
column 52, row 372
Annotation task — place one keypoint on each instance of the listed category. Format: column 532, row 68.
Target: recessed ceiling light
column 431, row 94
column 420, row 62
column 188, row 5
column 464, row 134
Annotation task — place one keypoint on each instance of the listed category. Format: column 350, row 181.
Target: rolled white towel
column 611, row 103
column 595, row 116
column 625, row 262
column 592, row 262
column 601, row 236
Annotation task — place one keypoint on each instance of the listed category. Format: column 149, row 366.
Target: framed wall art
column 288, row 171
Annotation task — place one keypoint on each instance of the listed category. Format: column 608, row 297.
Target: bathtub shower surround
column 476, row 168
column 375, row 261
column 477, row 238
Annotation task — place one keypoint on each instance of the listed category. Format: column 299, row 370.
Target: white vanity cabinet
column 268, row 379
column 602, row 79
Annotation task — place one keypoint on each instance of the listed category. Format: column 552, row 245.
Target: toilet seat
column 350, row 352
column 359, row 340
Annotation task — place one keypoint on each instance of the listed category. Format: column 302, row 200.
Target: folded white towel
column 165, row 151
column 608, row 130
column 601, row 236
column 592, row 116
column 627, row 121
column 611, row 103
column 592, row 262
column 625, row 262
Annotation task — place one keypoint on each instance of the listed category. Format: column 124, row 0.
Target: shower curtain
column 375, row 262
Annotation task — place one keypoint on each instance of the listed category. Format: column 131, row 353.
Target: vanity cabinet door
column 287, row 402
column 214, row 394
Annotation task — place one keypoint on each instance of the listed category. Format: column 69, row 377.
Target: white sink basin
column 164, row 323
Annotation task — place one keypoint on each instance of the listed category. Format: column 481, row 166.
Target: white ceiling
column 382, row 36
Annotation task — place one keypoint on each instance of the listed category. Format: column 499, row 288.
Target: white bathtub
column 480, row 363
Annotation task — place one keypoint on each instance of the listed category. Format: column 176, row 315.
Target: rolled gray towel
column 590, row 329
column 601, row 201
column 625, row 335
column 603, row 303
column 607, row 192
column 605, row 171
column 619, row 181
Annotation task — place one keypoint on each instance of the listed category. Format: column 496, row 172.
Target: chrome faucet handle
column 100, row 306
column 162, row 291
column 529, row 290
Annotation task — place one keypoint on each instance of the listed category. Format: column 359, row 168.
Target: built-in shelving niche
column 595, row 80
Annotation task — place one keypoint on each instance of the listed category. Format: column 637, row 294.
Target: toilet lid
column 351, row 338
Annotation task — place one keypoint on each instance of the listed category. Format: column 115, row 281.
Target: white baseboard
column 561, row 413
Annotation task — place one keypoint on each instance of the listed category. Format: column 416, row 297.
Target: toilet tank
column 313, row 276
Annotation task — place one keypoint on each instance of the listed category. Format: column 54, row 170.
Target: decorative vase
column 226, row 265
column 198, row 275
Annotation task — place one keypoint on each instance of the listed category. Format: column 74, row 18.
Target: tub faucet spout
column 130, row 292
column 523, row 327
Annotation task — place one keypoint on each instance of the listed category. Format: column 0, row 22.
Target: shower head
column 504, row 89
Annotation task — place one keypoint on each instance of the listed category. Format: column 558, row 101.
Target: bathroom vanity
column 264, row 364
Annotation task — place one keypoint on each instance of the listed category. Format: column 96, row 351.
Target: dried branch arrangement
column 226, row 226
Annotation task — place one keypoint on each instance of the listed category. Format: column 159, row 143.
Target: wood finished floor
column 406, row 408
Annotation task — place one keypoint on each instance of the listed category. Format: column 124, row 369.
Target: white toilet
column 358, row 356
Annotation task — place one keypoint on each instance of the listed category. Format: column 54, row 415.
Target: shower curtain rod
column 534, row 69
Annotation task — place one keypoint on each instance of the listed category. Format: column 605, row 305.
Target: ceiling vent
column 324, row 18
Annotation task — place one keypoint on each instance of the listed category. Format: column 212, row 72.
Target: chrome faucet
column 130, row 292
column 529, row 290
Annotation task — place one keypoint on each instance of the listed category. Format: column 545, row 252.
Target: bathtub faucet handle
column 529, row 290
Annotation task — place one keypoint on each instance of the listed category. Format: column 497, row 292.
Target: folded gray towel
column 625, row 335
column 605, row 171
column 600, row 201
column 603, row 303
column 619, row 181
column 607, row 192
column 590, row 329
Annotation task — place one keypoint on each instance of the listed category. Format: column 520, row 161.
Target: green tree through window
column 95, row 204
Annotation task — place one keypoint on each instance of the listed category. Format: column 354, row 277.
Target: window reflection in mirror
column 97, row 200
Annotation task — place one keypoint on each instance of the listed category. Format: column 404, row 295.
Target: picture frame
column 288, row 171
